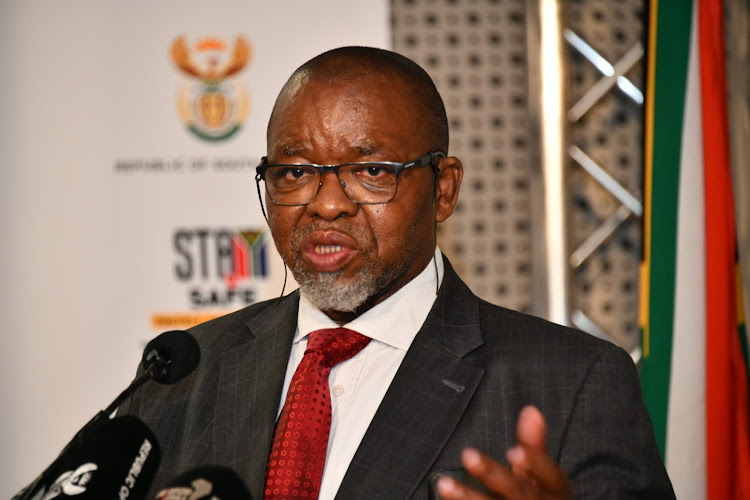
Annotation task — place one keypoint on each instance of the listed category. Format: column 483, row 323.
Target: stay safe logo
column 212, row 104
column 220, row 268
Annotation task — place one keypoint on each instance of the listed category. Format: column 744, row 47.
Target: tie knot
column 336, row 344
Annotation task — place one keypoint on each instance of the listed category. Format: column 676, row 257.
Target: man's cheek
column 281, row 239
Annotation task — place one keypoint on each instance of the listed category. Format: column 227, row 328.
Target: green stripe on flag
column 671, row 51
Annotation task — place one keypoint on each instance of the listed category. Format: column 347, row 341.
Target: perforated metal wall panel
column 477, row 53
column 475, row 50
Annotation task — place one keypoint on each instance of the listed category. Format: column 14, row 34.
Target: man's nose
column 331, row 202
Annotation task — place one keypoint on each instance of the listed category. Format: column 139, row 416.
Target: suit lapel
column 425, row 401
column 249, row 391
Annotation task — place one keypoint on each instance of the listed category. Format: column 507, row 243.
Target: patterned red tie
column 295, row 465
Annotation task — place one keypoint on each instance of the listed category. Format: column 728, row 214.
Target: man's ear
column 448, row 184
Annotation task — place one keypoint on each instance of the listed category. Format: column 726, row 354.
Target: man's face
column 347, row 256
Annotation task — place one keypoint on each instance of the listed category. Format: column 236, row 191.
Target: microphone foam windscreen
column 210, row 482
column 180, row 349
column 116, row 459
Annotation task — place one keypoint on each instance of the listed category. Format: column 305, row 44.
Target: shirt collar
column 395, row 321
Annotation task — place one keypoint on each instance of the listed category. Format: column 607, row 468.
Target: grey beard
column 325, row 293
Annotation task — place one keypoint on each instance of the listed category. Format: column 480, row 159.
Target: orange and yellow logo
column 212, row 104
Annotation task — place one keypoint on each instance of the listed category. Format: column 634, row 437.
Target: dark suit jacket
column 470, row 370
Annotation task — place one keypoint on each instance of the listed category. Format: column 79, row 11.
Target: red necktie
column 295, row 465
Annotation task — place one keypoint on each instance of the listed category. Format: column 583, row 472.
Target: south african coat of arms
column 211, row 104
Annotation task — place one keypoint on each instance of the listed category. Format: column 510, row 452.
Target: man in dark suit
column 356, row 178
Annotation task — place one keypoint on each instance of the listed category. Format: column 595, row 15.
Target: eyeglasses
column 369, row 182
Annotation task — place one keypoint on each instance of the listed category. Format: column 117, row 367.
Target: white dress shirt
column 359, row 384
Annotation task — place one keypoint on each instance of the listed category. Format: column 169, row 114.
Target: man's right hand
column 532, row 474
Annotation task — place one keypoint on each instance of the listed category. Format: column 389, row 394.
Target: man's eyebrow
column 289, row 150
column 367, row 150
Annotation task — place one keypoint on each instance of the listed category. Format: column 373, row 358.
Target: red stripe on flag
column 728, row 440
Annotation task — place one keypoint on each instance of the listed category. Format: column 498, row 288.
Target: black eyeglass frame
column 428, row 159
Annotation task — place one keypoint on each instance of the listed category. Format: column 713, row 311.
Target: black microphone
column 171, row 356
column 167, row 359
column 118, row 461
column 210, row 482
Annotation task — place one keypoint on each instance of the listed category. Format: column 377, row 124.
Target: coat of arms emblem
column 212, row 106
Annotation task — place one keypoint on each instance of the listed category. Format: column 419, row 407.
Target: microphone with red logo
column 167, row 359
column 210, row 482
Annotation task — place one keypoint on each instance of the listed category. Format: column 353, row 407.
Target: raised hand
column 532, row 474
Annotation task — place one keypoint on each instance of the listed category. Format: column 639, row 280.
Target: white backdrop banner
column 129, row 136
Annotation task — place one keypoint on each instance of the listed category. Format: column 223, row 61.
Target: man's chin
column 328, row 292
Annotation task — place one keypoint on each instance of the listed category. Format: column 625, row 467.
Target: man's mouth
column 328, row 251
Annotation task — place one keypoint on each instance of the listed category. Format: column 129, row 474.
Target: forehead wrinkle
column 300, row 149
column 319, row 140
